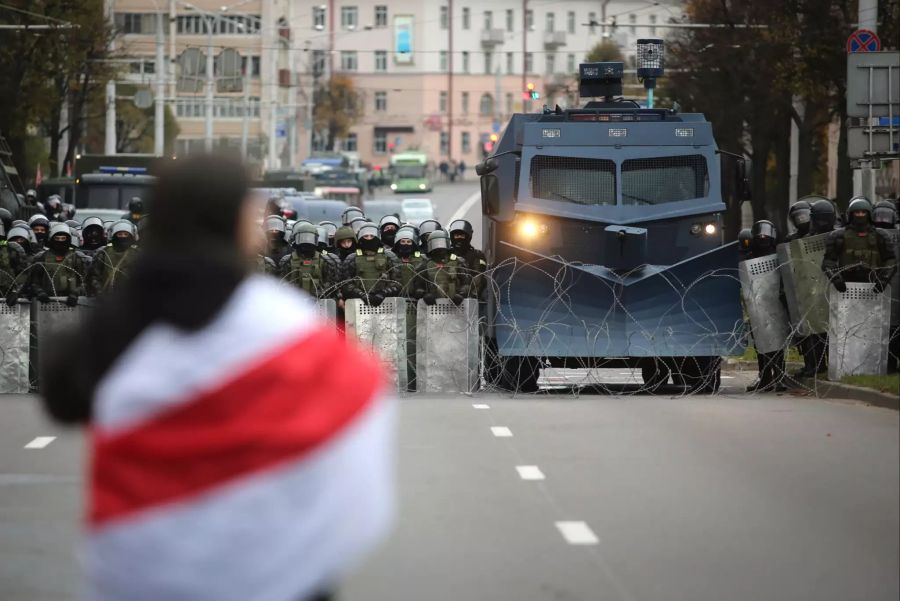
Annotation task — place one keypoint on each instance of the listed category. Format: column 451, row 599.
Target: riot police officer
column 93, row 235
column 859, row 252
column 443, row 275
column 111, row 264
column 764, row 238
column 57, row 270
column 277, row 246
column 12, row 261
column 823, row 217
column 330, row 230
column 357, row 223
column 744, row 244
column 406, row 247
column 53, row 208
column 6, row 219
column 800, row 215
column 23, row 236
column 474, row 260
column 351, row 213
column 307, row 267
column 40, row 226
column 371, row 273
column 425, row 229
column 884, row 215
column 344, row 242
column 135, row 212
column 388, row 227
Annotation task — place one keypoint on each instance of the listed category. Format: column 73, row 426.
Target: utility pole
column 526, row 104
column 109, row 146
column 159, row 131
column 210, row 83
column 864, row 177
column 245, row 120
column 449, row 81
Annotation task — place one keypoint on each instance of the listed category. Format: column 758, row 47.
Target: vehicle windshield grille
column 664, row 179
column 575, row 180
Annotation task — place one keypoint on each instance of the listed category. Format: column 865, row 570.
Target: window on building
column 529, row 20
column 318, row 18
column 464, row 105
column 510, row 64
column 445, row 143
column 318, row 62
column 509, row 103
column 465, row 62
column 136, row 23
column 570, row 63
column 348, row 60
column 442, row 102
column 486, row 105
column 632, row 19
column 380, row 101
column 350, row 142
column 442, row 58
column 488, row 19
column 550, row 22
column 466, row 18
column 653, row 22
column 529, row 66
column 570, row 22
column 250, row 66
column 488, row 63
column 349, row 17
column 445, row 17
column 381, row 15
column 381, row 60
column 592, row 19
column 465, row 142
column 550, row 63
column 510, row 19
column 380, row 145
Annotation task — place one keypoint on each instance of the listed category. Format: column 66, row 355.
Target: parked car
column 417, row 210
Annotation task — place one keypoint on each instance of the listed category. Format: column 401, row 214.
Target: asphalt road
column 700, row 498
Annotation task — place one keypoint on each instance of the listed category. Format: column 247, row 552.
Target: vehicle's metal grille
column 664, row 179
column 576, row 180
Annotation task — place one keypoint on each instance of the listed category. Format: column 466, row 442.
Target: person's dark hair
column 189, row 266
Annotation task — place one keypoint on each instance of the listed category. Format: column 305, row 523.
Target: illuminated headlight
column 530, row 229
column 710, row 229
column 393, row 186
column 695, row 229
column 421, row 186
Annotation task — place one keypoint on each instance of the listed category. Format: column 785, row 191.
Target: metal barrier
column 761, row 293
column 327, row 308
column 858, row 331
column 447, row 347
column 48, row 320
column 15, row 327
column 805, row 284
column 895, row 281
column 412, row 383
column 384, row 329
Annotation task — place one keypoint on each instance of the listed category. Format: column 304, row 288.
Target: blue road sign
column 863, row 40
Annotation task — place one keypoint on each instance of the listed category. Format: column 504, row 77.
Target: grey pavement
column 697, row 498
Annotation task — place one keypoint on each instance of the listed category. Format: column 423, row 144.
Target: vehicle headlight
column 531, row 228
column 421, row 186
column 695, row 229
column 710, row 229
column 393, row 186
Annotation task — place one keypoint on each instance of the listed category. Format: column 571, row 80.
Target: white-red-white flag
column 248, row 460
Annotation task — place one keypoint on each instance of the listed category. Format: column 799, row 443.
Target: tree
column 605, row 51
column 337, row 107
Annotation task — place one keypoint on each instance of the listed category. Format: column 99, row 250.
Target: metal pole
column 864, row 177
column 526, row 104
column 159, row 131
column 110, row 141
column 449, row 81
column 245, row 120
column 273, row 130
column 210, row 82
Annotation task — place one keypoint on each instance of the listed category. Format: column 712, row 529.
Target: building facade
column 436, row 75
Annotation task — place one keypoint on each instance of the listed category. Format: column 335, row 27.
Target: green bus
column 409, row 172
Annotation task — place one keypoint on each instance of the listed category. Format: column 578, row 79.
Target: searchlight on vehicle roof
column 650, row 63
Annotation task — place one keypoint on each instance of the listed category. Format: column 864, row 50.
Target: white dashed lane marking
column 577, row 533
column 481, row 406
column 501, row 431
column 40, row 442
column 530, row 472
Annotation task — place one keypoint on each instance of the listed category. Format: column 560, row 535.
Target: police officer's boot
column 807, row 349
column 760, row 375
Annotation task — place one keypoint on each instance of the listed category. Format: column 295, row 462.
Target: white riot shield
column 327, row 308
column 805, row 284
column 761, row 294
column 15, row 332
column 895, row 281
column 447, row 346
column 858, row 330
column 48, row 320
column 411, row 346
column 384, row 329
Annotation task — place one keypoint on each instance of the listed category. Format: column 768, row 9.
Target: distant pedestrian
column 453, row 170
column 239, row 446
column 445, row 170
column 462, row 169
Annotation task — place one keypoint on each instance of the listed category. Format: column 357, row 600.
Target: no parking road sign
column 863, row 40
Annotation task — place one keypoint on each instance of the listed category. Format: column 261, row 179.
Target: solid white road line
column 530, row 472
column 40, row 442
column 480, row 406
column 464, row 207
column 577, row 533
column 501, row 431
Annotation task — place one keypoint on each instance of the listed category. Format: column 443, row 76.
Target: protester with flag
column 240, row 449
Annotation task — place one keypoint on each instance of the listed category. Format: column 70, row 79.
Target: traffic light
column 486, row 149
column 530, row 92
column 494, row 137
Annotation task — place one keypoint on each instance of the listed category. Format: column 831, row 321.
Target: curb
column 824, row 389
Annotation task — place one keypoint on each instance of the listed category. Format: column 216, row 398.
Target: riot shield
column 47, row 321
column 411, row 378
column 447, row 346
column 761, row 294
column 327, row 309
column 384, row 329
column 858, row 329
column 15, row 332
column 895, row 281
column 805, row 284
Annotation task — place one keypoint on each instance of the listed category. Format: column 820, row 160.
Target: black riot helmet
column 438, row 245
column 765, row 237
column 388, row 227
column 859, row 213
column 800, row 215
column 461, row 234
column 823, row 216
column 884, row 215
column 425, row 228
column 351, row 213
column 6, row 218
column 136, row 206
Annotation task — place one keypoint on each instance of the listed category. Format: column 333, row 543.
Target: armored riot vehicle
column 603, row 226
